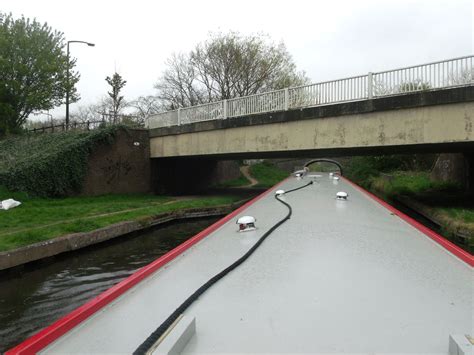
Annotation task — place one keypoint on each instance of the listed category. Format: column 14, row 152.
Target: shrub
column 49, row 164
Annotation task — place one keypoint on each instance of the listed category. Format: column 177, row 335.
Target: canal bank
column 75, row 241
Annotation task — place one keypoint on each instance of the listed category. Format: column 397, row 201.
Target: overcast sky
column 328, row 39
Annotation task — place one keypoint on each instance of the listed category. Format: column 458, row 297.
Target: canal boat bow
column 343, row 274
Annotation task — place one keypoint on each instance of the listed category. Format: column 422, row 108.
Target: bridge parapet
column 424, row 77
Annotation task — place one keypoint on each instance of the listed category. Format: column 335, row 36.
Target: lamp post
column 67, row 78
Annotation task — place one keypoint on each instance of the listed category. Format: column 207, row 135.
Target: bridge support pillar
column 469, row 164
column 455, row 167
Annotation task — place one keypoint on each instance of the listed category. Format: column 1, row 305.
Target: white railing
column 259, row 103
column 206, row 112
column 348, row 89
column 436, row 75
column 430, row 76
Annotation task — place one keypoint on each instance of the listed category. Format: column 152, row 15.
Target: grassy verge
column 267, row 174
column 239, row 182
column 39, row 219
column 444, row 202
column 410, row 183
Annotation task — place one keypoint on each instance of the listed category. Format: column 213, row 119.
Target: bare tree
column 144, row 106
column 89, row 113
column 178, row 87
column 227, row 66
column 466, row 76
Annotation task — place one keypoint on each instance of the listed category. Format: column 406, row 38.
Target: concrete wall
column 120, row 167
column 429, row 121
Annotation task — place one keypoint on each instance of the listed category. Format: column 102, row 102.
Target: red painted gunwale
column 49, row 334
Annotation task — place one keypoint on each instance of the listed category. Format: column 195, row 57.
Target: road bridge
column 423, row 108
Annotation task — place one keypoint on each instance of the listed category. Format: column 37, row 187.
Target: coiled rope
column 153, row 337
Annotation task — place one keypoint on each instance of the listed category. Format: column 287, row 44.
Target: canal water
column 42, row 293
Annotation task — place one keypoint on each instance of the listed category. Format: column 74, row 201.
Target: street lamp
column 67, row 78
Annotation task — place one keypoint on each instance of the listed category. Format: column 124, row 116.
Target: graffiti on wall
column 115, row 170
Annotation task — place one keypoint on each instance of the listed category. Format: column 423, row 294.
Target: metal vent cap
column 341, row 195
column 246, row 223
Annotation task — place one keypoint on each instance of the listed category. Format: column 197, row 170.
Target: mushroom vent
column 279, row 192
column 246, row 223
column 341, row 195
column 302, row 172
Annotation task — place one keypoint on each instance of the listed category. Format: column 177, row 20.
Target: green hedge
column 49, row 164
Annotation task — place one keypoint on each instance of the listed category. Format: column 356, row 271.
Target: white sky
column 328, row 39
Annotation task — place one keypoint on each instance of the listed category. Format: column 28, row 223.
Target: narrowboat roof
column 339, row 276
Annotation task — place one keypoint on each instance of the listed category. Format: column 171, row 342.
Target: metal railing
column 429, row 76
column 83, row 126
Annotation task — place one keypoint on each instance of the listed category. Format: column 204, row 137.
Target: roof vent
column 341, row 195
column 279, row 192
column 246, row 223
column 302, row 172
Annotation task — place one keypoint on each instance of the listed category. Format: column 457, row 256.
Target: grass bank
column 445, row 203
column 266, row 173
column 39, row 219
column 239, row 182
column 410, row 183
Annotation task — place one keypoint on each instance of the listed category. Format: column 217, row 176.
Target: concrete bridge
column 424, row 108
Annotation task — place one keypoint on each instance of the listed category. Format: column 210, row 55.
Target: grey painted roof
column 340, row 276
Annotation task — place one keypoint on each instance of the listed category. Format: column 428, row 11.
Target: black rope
column 325, row 160
column 153, row 337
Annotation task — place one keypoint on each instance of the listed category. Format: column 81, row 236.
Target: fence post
column 179, row 116
column 370, row 86
column 287, row 99
column 224, row 109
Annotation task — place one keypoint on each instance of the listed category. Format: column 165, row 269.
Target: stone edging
column 75, row 241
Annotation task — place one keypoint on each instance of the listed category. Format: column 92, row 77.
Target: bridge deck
column 340, row 276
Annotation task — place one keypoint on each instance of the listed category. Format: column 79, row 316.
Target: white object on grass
column 8, row 204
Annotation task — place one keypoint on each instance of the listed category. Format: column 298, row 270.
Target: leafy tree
column 33, row 69
column 227, row 66
column 117, row 83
